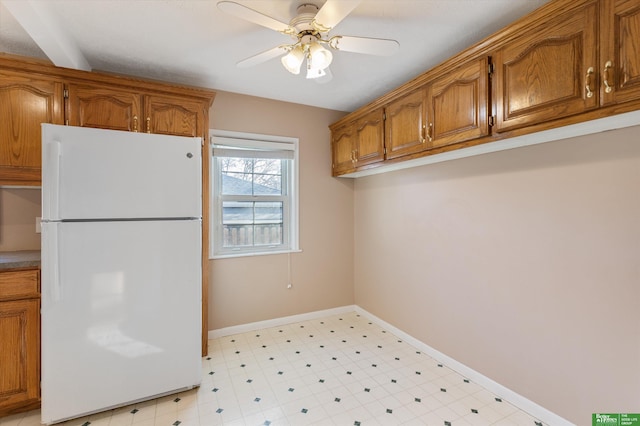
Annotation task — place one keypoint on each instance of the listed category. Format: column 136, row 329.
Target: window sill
column 262, row 253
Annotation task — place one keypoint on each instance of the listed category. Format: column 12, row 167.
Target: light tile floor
column 339, row 370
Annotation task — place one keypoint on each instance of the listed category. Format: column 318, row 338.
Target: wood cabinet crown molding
column 139, row 84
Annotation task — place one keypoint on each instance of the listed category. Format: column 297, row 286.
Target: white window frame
column 231, row 139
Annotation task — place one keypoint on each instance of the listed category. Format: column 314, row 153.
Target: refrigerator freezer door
column 121, row 313
column 105, row 174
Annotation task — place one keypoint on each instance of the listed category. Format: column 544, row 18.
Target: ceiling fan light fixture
column 292, row 61
column 315, row 72
column 319, row 57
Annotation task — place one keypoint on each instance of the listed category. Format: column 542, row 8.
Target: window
column 254, row 203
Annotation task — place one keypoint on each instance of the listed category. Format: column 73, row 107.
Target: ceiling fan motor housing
column 303, row 22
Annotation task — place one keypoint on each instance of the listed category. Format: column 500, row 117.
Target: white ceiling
column 192, row 42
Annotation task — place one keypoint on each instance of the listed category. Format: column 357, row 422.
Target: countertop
column 19, row 259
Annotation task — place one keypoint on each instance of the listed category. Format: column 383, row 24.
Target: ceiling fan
column 310, row 31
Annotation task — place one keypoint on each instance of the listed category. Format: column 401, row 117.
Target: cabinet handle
column 430, row 132
column 587, row 85
column 605, row 74
column 355, row 155
column 422, row 139
column 148, row 124
column 135, row 123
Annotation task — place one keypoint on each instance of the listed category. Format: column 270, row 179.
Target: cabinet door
column 550, row 72
column 173, row 116
column 343, row 149
column 620, row 44
column 25, row 103
column 405, row 125
column 103, row 107
column 19, row 355
column 369, row 138
column 458, row 105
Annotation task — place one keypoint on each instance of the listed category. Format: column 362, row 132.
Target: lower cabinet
column 20, row 337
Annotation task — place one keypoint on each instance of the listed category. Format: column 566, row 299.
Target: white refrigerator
column 121, row 268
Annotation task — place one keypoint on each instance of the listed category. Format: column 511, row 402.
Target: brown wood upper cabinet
column 405, row 125
column 25, row 102
column 33, row 92
column 619, row 51
column 174, row 116
column 108, row 107
column 342, row 143
column 358, row 143
column 550, row 72
column 103, row 107
column 450, row 109
column 459, row 105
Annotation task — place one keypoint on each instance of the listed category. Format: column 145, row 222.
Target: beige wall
column 249, row 289
column 523, row 264
column 18, row 211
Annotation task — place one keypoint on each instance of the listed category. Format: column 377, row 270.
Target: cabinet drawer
column 16, row 284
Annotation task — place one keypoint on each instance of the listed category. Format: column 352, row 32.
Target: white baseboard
column 253, row 326
column 526, row 405
column 503, row 392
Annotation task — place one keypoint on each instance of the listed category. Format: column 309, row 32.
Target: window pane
column 237, row 212
column 251, row 176
column 252, row 223
column 267, row 185
column 268, row 212
column 236, row 183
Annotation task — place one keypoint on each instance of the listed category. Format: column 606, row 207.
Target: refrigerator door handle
column 53, row 157
column 53, row 290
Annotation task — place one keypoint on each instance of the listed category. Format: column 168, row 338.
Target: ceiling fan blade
column 262, row 57
column 332, row 13
column 367, row 45
column 248, row 14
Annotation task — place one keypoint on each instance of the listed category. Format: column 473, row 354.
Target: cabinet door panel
column 25, row 103
column 342, row 145
column 103, row 107
column 458, row 105
column 548, row 73
column 370, row 138
column 20, row 350
column 171, row 116
column 619, row 58
column 404, row 126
